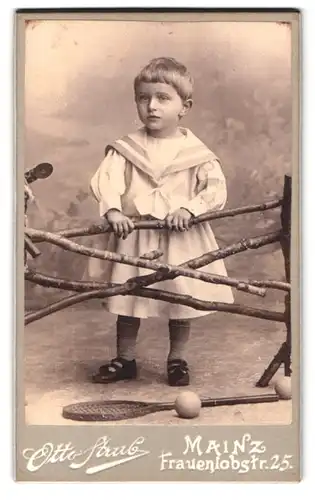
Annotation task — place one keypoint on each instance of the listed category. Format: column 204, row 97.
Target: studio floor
column 227, row 354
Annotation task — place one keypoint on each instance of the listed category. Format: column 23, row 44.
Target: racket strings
column 108, row 410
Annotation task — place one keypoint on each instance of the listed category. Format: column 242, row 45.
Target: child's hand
column 178, row 220
column 121, row 224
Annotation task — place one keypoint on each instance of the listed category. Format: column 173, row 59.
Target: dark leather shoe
column 116, row 369
column 177, row 372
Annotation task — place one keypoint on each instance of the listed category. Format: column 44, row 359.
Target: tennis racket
column 124, row 409
column 41, row 171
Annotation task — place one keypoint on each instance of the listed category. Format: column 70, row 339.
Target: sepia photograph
column 158, row 165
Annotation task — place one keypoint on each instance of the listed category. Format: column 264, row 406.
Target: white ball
column 187, row 404
column 283, row 387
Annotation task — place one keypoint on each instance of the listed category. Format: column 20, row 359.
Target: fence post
column 285, row 245
column 284, row 353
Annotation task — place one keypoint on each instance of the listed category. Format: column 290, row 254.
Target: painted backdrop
column 79, row 96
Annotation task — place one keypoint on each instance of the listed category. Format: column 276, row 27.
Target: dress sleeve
column 211, row 189
column 108, row 182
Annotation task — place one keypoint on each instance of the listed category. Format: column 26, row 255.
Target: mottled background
column 79, row 96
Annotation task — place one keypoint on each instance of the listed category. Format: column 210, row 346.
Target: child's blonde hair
column 167, row 70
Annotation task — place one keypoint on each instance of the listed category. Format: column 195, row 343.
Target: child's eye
column 164, row 98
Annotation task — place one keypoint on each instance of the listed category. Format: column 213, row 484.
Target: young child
column 160, row 171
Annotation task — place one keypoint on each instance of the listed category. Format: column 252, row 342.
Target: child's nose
column 152, row 103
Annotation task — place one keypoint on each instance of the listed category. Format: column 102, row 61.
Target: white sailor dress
column 150, row 177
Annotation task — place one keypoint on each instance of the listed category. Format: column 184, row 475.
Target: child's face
column 160, row 107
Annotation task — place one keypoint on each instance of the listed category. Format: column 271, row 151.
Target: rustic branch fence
column 85, row 290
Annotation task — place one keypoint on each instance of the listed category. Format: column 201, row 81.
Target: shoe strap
column 177, row 363
column 116, row 363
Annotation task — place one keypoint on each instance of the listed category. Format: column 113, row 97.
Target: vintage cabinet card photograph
column 157, row 176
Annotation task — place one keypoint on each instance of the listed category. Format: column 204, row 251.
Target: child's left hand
column 178, row 220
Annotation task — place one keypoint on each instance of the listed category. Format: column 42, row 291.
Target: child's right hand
column 121, row 224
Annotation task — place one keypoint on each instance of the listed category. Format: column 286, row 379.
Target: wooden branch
column 153, row 255
column 160, row 224
column 286, row 251
column 80, row 286
column 231, row 212
column 150, row 279
column 274, row 284
column 284, row 353
column 65, row 284
column 210, row 257
column 30, row 247
column 240, row 246
column 203, row 305
column 144, row 263
column 157, row 295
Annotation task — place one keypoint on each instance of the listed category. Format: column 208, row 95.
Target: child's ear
column 186, row 107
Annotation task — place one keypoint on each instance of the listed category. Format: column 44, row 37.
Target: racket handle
column 41, row 171
column 239, row 400
column 162, row 406
column 227, row 401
